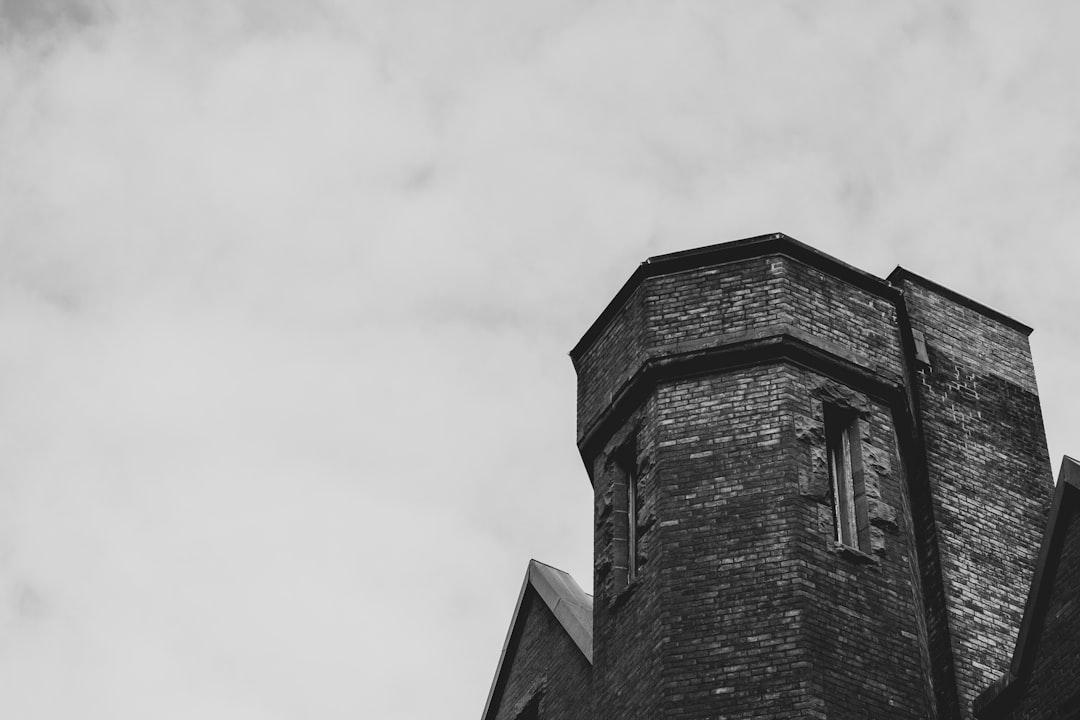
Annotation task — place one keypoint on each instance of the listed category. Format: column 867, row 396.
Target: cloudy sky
column 286, row 292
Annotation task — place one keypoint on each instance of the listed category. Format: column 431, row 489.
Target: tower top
column 815, row 494
column 776, row 243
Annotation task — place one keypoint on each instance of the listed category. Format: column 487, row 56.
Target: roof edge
column 570, row 605
column 772, row 244
column 1067, row 490
column 901, row 273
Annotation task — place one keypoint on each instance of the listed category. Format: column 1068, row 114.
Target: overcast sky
column 286, row 292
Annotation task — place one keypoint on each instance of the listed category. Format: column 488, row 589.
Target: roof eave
column 900, row 274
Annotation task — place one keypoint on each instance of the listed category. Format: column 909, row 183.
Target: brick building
column 818, row 494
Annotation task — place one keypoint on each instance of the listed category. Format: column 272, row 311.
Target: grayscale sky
column 287, row 290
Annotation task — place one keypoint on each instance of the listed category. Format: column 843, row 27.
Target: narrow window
column 624, row 492
column 631, row 523
column 850, row 522
column 921, row 356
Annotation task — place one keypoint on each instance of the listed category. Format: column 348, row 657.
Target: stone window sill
column 620, row 597
column 852, row 554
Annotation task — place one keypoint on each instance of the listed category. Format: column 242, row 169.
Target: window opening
column 850, row 520
column 922, row 357
column 624, row 481
column 631, row 522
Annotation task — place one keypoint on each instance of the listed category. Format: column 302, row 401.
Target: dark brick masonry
column 722, row 589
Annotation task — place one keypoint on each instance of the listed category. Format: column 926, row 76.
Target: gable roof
column 570, row 605
column 1066, row 496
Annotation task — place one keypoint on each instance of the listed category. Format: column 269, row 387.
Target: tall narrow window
column 850, row 521
column 624, row 530
column 631, row 523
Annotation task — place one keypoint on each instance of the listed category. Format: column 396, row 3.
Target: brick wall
column 626, row 619
column 763, row 615
column 989, row 474
column 863, row 613
column 745, row 605
column 547, row 664
column 859, row 324
column 740, row 592
column 1055, row 676
column 709, row 307
column 732, row 617
column 613, row 356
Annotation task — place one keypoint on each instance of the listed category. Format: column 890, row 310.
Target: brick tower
column 818, row 494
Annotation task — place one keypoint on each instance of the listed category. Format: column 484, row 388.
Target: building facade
column 818, row 494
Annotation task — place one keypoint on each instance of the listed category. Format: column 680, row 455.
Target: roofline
column 777, row 244
column 1067, row 490
column 1068, row 482
column 758, row 246
column 902, row 273
column 570, row 605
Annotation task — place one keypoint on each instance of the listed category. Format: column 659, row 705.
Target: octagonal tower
column 818, row 493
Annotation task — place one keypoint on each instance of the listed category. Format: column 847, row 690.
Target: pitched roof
column 570, row 605
column 1066, row 495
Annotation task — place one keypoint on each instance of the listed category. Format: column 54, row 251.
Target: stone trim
column 876, row 467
